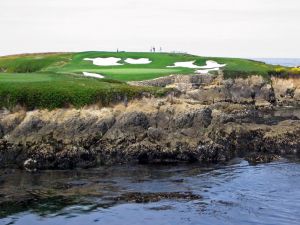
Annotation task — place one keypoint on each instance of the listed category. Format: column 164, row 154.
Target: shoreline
column 208, row 120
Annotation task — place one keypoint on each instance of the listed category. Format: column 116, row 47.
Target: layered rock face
column 207, row 119
column 287, row 91
column 208, row 89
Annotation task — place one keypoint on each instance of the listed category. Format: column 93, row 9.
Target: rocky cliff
column 206, row 119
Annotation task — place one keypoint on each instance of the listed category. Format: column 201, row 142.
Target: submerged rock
column 139, row 197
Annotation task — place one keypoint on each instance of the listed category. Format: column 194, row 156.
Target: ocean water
column 236, row 193
column 291, row 62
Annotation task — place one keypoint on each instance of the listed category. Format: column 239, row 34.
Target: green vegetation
column 74, row 63
column 55, row 79
column 243, row 67
column 45, row 90
column 32, row 63
column 158, row 67
column 284, row 72
column 126, row 72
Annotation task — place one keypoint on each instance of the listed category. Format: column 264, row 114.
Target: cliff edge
column 206, row 119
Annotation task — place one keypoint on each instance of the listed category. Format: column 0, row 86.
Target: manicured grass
column 55, row 79
column 243, row 67
column 127, row 72
column 158, row 67
column 74, row 63
column 133, row 74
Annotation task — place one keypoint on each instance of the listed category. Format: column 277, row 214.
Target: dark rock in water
column 257, row 157
column 212, row 152
column 139, row 197
column 161, row 208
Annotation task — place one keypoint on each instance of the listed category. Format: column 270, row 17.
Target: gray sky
column 238, row 28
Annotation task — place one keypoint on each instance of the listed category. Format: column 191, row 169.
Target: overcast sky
column 237, row 28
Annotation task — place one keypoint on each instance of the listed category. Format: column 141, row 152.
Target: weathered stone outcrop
column 213, row 120
column 209, row 89
column 287, row 90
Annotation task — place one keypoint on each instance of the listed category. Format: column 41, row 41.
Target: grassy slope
column 68, row 63
column 33, row 62
column 45, row 90
column 127, row 72
column 55, row 80
column 157, row 68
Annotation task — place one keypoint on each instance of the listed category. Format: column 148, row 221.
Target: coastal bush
column 63, row 91
column 29, row 63
column 282, row 72
column 242, row 74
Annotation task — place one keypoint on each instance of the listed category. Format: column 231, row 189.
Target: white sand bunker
column 138, row 61
column 206, row 71
column 189, row 64
column 110, row 61
column 95, row 75
column 211, row 65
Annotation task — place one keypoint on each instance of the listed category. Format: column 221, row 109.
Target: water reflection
column 237, row 193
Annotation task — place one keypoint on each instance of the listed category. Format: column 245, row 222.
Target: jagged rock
column 155, row 134
column 287, row 90
column 134, row 119
column 255, row 158
column 213, row 121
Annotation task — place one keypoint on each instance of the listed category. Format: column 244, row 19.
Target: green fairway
column 132, row 74
column 126, row 72
column 158, row 66
column 56, row 79
column 74, row 63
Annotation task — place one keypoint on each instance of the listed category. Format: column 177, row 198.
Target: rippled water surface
column 237, row 193
column 291, row 62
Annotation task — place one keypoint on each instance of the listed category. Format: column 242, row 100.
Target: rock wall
column 213, row 121
column 208, row 89
column 287, row 91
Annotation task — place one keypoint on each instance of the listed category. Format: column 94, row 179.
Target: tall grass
column 65, row 91
column 30, row 63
